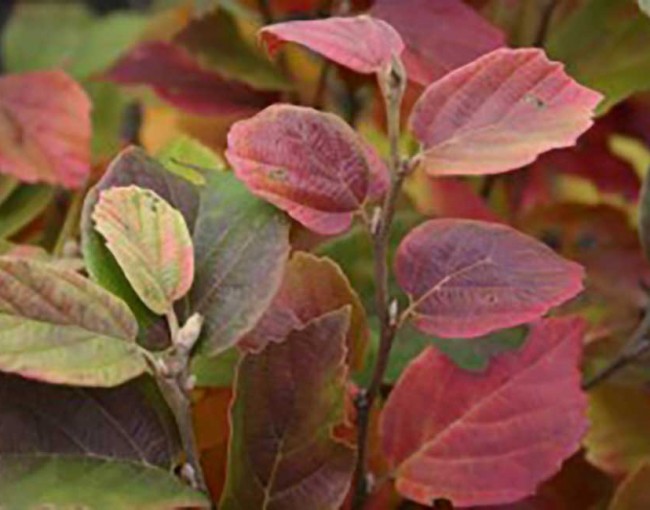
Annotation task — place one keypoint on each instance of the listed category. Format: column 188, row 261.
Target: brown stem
column 172, row 372
column 265, row 10
column 637, row 345
column 392, row 85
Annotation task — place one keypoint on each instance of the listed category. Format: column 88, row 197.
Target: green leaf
column 188, row 158
column 241, row 246
column 58, row 327
column 216, row 39
column 22, row 206
column 216, row 371
column 133, row 166
column 45, row 35
column 150, row 241
column 288, row 400
column 605, row 45
column 473, row 355
column 64, row 482
column 109, row 104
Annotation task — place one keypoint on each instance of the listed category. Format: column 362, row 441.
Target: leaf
column 644, row 5
column 133, row 167
column 632, row 493
column 487, row 440
column 183, row 153
column 273, row 153
column 362, row 43
column 467, row 278
column 312, row 287
column 46, row 35
column 516, row 100
column 603, row 46
column 241, row 247
column 288, row 399
column 36, row 151
column 58, row 327
column 150, row 241
column 174, row 76
column 447, row 198
column 617, row 440
column 22, row 206
column 60, row 482
column 126, row 422
column 460, row 35
column 218, row 42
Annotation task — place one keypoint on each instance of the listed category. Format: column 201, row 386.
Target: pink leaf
column 308, row 163
column 44, row 128
column 488, row 439
column 363, row 44
column 499, row 113
column 467, row 278
column 440, row 35
column 177, row 78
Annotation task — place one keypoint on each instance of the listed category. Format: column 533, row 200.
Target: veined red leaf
column 488, row 439
column 312, row 287
column 288, row 399
column 499, row 113
column 58, row 327
column 308, row 163
column 362, row 43
column 467, row 278
column 44, row 128
column 177, row 78
column 150, row 241
column 440, row 35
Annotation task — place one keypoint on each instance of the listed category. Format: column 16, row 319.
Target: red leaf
column 362, row 43
column 44, row 128
column 440, row 35
column 499, row 113
column 308, row 163
column 177, row 78
column 489, row 439
column 289, row 399
column 467, row 278
column 311, row 287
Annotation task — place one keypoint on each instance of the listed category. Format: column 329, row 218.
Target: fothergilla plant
column 339, row 278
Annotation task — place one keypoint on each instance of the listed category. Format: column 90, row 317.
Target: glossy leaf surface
column 311, row 287
column 32, row 148
column 177, row 78
column 288, row 399
column 55, row 481
column 58, row 327
column 516, row 100
column 491, row 439
column 150, row 241
column 467, row 278
column 459, row 37
column 308, row 163
column 362, row 43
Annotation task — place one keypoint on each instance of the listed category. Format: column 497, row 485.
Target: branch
column 635, row 347
column 392, row 84
column 173, row 377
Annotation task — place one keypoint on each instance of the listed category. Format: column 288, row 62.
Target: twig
column 392, row 85
column 637, row 345
column 173, row 377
